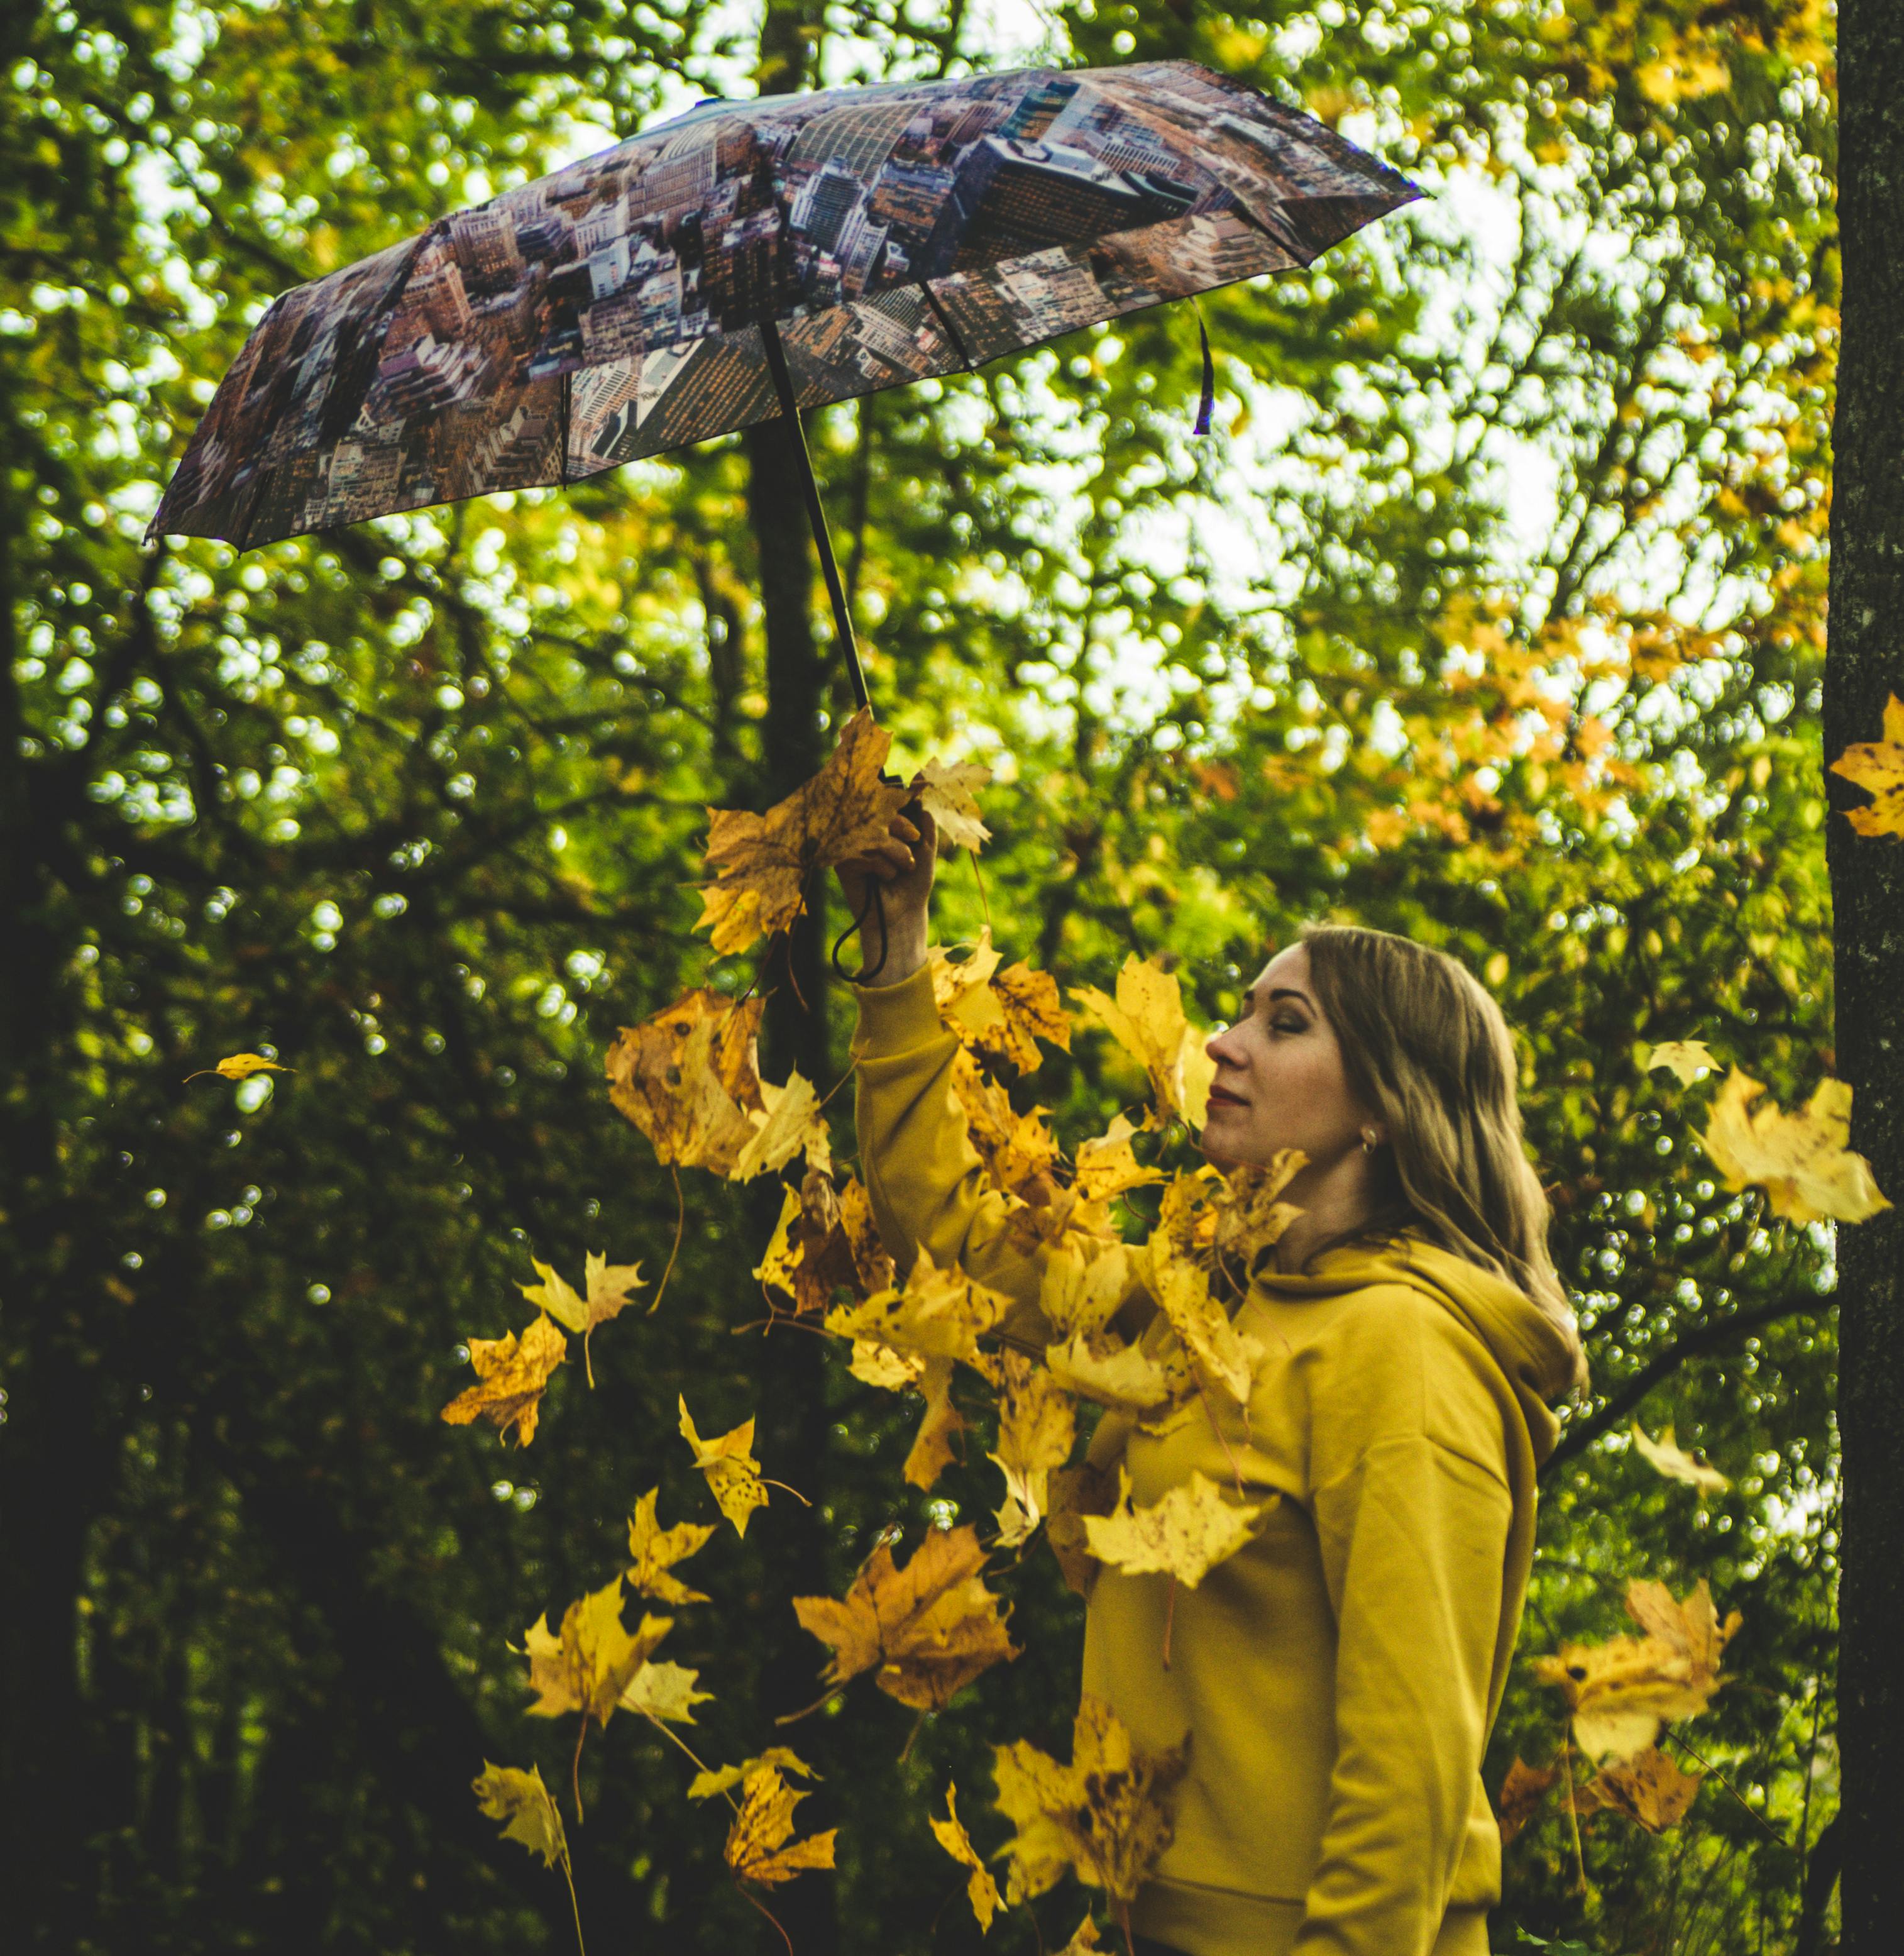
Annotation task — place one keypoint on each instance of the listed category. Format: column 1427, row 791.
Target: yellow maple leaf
column 663, row 1690
column 1220, row 1354
column 608, row 1286
column 1249, row 1216
column 940, row 1313
column 656, row 1550
column 1000, row 1015
column 1800, row 1160
column 1019, row 1151
column 1104, row 1370
column 1086, row 1941
column 892, row 1371
column 733, row 1474
column 238, row 1066
column 1147, row 1019
column 508, row 1794
column 1651, row 1788
column 1107, row 1166
column 1104, row 1816
column 932, row 1450
column 515, row 1374
column 794, row 1123
column 1879, row 766
column 1037, row 1424
column 1079, row 1294
column 947, row 791
column 588, row 1665
column 925, row 1631
column 689, row 1078
column 1684, row 1059
column 1076, row 1494
column 980, row 1888
column 1664, row 1455
column 706, row 1785
column 1621, row 1692
column 762, row 862
column 1185, row 1534
column 755, row 1851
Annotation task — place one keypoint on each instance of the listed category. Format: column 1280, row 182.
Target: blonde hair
column 1425, row 1047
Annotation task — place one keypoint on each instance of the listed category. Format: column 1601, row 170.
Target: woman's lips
column 1225, row 1099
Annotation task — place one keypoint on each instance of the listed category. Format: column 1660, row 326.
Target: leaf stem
column 575, row 1768
column 700, row 1765
column 767, row 1482
column 1710, row 1768
column 1170, row 1619
column 1573, row 1810
column 569, row 1876
column 972, row 855
column 770, row 1915
column 680, row 1222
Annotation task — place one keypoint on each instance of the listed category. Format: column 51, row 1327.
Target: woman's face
column 1280, row 1082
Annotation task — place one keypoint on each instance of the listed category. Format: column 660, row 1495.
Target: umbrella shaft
column 770, row 335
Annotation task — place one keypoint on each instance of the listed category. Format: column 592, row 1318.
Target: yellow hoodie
column 1339, row 1675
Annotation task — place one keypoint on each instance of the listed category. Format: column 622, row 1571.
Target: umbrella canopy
column 687, row 281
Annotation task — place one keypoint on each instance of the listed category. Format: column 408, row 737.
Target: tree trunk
column 792, row 1432
column 1862, row 669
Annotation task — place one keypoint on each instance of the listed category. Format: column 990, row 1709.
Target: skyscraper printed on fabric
column 613, row 310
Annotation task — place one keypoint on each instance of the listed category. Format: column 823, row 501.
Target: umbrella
column 750, row 258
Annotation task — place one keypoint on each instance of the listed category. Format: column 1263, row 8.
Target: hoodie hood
column 1524, row 1341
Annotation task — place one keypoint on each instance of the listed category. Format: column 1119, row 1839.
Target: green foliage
column 1494, row 616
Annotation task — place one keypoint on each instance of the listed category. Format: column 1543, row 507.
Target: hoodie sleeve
column 1412, row 1517
column 926, row 1182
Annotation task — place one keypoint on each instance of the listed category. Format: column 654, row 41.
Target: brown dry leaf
column 872, row 1267
column 1222, row 1354
column 733, row 1474
column 1248, row 1216
column 689, row 1078
column 1000, row 1015
column 705, row 1785
column 1650, row 1788
column 508, row 1793
column 1800, row 1160
column 1076, row 1494
column 238, row 1066
column 1665, row 1457
column 947, row 791
column 1103, row 1816
column 762, row 862
column 1107, row 1166
column 940, row 1314
column 1620, row 1692
column 925, row 1631
column 1879, row 766
column 1522, row 1792
column 754, row 1850
column 664, row 1690
column 1078, row 1294
column 1109, row 1372
column 589, row 1664
column 1147, row 1019
column 950, row 1833
column 1185, row 1534
column 825, row 1241
column 656, row 1550
column 1684, row 1059
column 1037, row 1424
column 515, row 1374
column 932, row 1450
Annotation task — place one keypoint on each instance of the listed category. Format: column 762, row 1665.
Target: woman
column 1339, row 1675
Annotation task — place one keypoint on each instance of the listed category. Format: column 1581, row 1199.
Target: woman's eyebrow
column 1280, row 992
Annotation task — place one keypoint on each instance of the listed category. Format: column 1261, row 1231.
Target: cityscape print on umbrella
column 611, row 311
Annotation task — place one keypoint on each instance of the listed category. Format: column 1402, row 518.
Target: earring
column 1369, row 1139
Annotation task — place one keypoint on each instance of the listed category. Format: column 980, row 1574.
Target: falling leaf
column 932, row 1450
column 793, row 1123
column 1147, row 1019
column 1019, row 1151
column 588, row 1667
column 705, row 1785
column 733, row 1474
column 1103, row 1816
column 1684, row 1059
column 1801, row 1161
column 666, row 1691
column 1037, row 1424
column 515, row 1374
column 1110, row 1372
column 608, row 1286
column 940, row 1313
column 892, row 1371
column 1078, row 1294
column 951, row 1835
column 925, row 1631
column 1651, row 1788
column 825, row 1240
column 508, row 1794
column 656, row 1550
column 1222, row 1354
column 1665, row 1457
column 238, row 1066
column 1076, row 1494
column 1084, row 1942
column 1000, row 1015
column 1184, row 1533
column 754, row 1850
column 947, row 790
column 1107, row 1166
column 1620, row 1692
column 1879, row 766
column 689, row 1078
column 1522, row 1792
column 762, row 863
column 1250, row 1217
